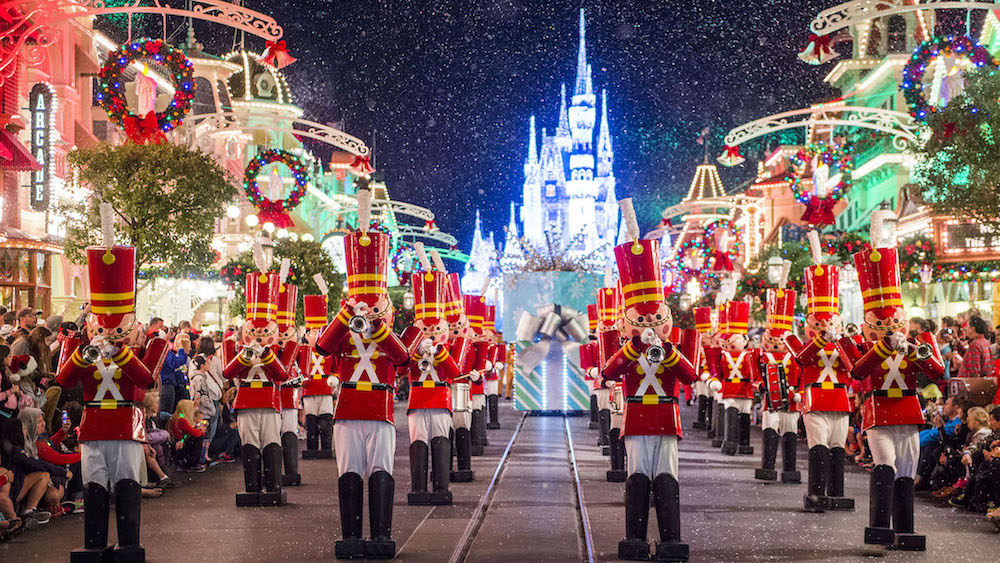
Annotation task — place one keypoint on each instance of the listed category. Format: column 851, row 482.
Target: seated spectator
column 187, row 430
column 979, row 438
column 31, row 479
column 33, row 424
column 206, row 385
column 51, row 449
column 944, row 423
column 157, row 439
column 11, row 526
column 173, row 374
column 949, row 470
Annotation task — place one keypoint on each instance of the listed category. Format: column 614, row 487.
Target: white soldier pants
column 781, row 422
column 461, row 419
column 258, row 427
column 826, row 429
column 290, row 421
column 603, row 398
column 478, row 402
column 364, row 446
column 425, row 424
column 106, row 462
column 742, row 405
column 651, row 455
column 616, row 421
column 701, row 388
column 895, row 446
column 492, row 386
column 318, row 404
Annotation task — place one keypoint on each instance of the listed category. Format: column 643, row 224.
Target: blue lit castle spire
column 569, row 198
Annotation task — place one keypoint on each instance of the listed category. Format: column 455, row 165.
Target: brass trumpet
column 655, row 354
column 425, row 364
column 359, row 324
column 922, row 351
column 91, row 354
column 852, row 330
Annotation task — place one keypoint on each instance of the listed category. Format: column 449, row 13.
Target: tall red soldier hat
column 475, row 309
column 112, row 283
column 489, row 318
column 703, row 319
column 780, row 310
column 878, row 274
column 429, row 291
column 262, row 297
column 593, row 317
column 367, row 255
column 453, row 308
column 607, row 305
column 723, row 320
column 288, row 296
column 639, row 267
column 822, row 291
column 315, row 311
column 737, row 317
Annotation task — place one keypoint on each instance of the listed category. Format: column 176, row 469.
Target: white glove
column 715, row 385
column 593, row 373
column 333, row 381
column 109, row 350
column 361, row 308
column 831, row 335
column 649, row 337
column 898, row 342
column 475, row 376
column 797, row 397
column 704, row 376
column 426, row 347
column 489, row 366
column 500, row 366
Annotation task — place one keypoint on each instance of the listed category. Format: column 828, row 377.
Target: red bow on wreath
column 277, row 54
column 274, row 212
column 723, row 262
column 362, row 165
column 819, row 211
column 145, row 130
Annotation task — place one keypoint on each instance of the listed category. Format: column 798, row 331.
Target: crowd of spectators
column 190, row 423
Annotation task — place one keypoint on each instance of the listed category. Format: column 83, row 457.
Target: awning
column 14, row 155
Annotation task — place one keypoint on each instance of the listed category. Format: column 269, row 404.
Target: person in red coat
column 891, row 411
column 368, row 353
column 779, row 386
column 430, row 371
column 650, row 369
column 824, row 369
column 320, row 378
column 114, row 379
column 290, row 390
column 608, row 342
column 739, row 367
column 258, row 372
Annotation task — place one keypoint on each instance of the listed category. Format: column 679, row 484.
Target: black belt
column 660, row 399
column 820, row 386
column 375, row 386
column 112, row 404
column 256, row 384
column 885, row 393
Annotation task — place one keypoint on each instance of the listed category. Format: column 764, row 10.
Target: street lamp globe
column 232, row 212
column 269, row 227
column 774, row 267
column 252, row 220
column 282, row 233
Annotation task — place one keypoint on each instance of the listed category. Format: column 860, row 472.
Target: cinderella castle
column 568, row 197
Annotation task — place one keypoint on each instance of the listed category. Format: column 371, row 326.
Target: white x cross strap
column 828, row 373
column 649, row 378
column 108, row 384
column 734, row 365
column 364, row 365
column 429, row 372
column 784, row 361
column 317, row 365
column 894, row 375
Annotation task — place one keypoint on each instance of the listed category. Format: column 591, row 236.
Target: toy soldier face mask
column 120, row 329
column 654, row 315
column 876, row 327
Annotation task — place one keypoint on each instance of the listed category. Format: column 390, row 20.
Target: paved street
column 532, row 513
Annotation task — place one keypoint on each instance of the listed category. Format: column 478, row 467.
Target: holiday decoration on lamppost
column 148, row 125
column 275, row 212
column 827, row 162
column 953, row 49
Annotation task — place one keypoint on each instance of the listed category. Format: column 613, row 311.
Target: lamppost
column 774, row 267
column 267, row 245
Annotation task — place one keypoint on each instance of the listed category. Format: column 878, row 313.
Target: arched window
column 897, row 34
column 204, row 98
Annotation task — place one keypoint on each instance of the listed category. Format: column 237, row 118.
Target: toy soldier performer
column 713, row 360
column 320, row 378
column 824, row 368
column 497, row 357
column 462, row 351
column 740, row 367
column 779, row 386
column 114, row 379
column 651, row 369
column 368, row 353
column 258, row 371
column 608, row 343
column 430, row 371
column 703, row 324
column 589, row 360
column 891, row 411
column 291, row 389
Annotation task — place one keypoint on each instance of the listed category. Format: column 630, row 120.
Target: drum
column 617, row 399
column 980, row 391
column 461, row 400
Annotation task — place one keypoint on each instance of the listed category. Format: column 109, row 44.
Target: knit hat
column 53, row 322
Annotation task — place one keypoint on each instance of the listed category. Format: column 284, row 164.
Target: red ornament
column 362, row 165
column 276, row 53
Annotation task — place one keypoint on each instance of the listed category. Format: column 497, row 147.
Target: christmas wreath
column 275, row 212
column 150, row 127
column 723, row 257
column 819, row 206
column 960, row 47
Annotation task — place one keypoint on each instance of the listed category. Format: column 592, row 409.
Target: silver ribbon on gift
column 551, row 322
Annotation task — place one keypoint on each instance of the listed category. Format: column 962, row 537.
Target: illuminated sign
column 40, row 102
column 961, row 237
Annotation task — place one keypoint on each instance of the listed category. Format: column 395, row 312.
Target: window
column 897, row 34
column 204, row 100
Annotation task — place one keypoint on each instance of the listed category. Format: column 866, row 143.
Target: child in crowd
column 188, row 431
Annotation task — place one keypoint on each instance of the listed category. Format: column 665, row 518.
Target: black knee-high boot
column 731, row 440
column 251, row 477
column 667, row 496
column 483, row 438
column 128, row 502
column 380, row 492
column 835, row 499
column 718, row 434
column 902, row 517
column 815, row 499
column 709, row 411
column 617, row 446
column 493, row 403
column 604, row 427
column 352, row 546
column 789, row 473
column 769, row 452
column 463, row 456
column 744, row 447
column 273, row 494
column 634, row 546
column 879, row 531
column 290, row 455
column 418, row 495
column 312, row 437
column 440, row 460
column 477, row 434
column 702, row 407
column 593, row 424
column 325, row 427
column 96, row 510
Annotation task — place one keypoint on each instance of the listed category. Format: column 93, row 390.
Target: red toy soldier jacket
column 258, row 382
column 315, row 370
column 823, row 371
column 651, row 390
column 429, row 384
column 787, row 362
column 290, row 395
column 739, row 372
column 889, row 383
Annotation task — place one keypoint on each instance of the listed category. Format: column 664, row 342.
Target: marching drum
column 617, row 399
column 461, row 399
